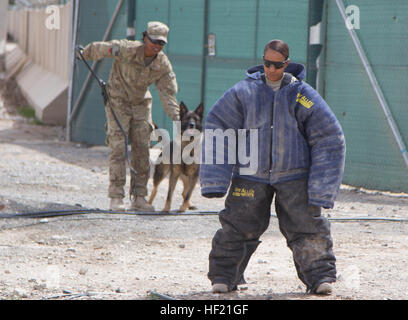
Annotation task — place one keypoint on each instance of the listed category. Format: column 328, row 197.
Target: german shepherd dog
column 191, row 125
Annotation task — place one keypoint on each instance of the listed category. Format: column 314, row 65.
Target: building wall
column 374, row 159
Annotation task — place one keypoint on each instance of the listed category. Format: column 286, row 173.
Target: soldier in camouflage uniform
column 136, row 66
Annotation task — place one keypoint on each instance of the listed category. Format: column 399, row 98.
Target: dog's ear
column 183, row 109
column 200, row 110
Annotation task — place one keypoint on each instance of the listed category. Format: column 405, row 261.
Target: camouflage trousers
column 138, row 131
column 246, row 217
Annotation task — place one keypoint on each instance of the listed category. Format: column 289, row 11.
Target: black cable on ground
column 61, row 213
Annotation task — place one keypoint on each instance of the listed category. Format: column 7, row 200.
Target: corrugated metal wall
column 374, row 159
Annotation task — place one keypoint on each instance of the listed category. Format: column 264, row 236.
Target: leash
column 107, row 102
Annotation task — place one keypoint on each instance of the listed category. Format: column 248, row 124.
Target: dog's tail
column 153, row 156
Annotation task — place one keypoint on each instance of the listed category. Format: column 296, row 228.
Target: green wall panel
column 242, row 28
column 150, row 10
column 373, row 160
column 285, row 20
column 220, row 77
column 187, row 27
column 234, row 24
column 94, row 16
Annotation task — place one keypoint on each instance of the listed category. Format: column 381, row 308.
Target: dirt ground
column 128, row 256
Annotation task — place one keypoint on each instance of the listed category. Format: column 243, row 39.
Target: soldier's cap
column 157, row 30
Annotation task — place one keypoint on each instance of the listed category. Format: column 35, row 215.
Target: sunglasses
column 276, row 64
column 159, row 42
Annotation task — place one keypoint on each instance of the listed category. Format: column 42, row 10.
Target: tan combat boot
column 140, row 204
column 116, row 204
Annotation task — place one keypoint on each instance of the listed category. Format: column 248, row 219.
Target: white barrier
column 43, row 35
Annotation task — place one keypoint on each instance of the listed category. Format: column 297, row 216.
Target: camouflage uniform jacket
column 130, row 78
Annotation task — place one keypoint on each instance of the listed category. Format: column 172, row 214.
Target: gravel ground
column 127, row 256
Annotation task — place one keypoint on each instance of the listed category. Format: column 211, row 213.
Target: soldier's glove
column 214, row 195
column 78, row 49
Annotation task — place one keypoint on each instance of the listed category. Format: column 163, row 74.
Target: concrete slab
column 46, row 92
